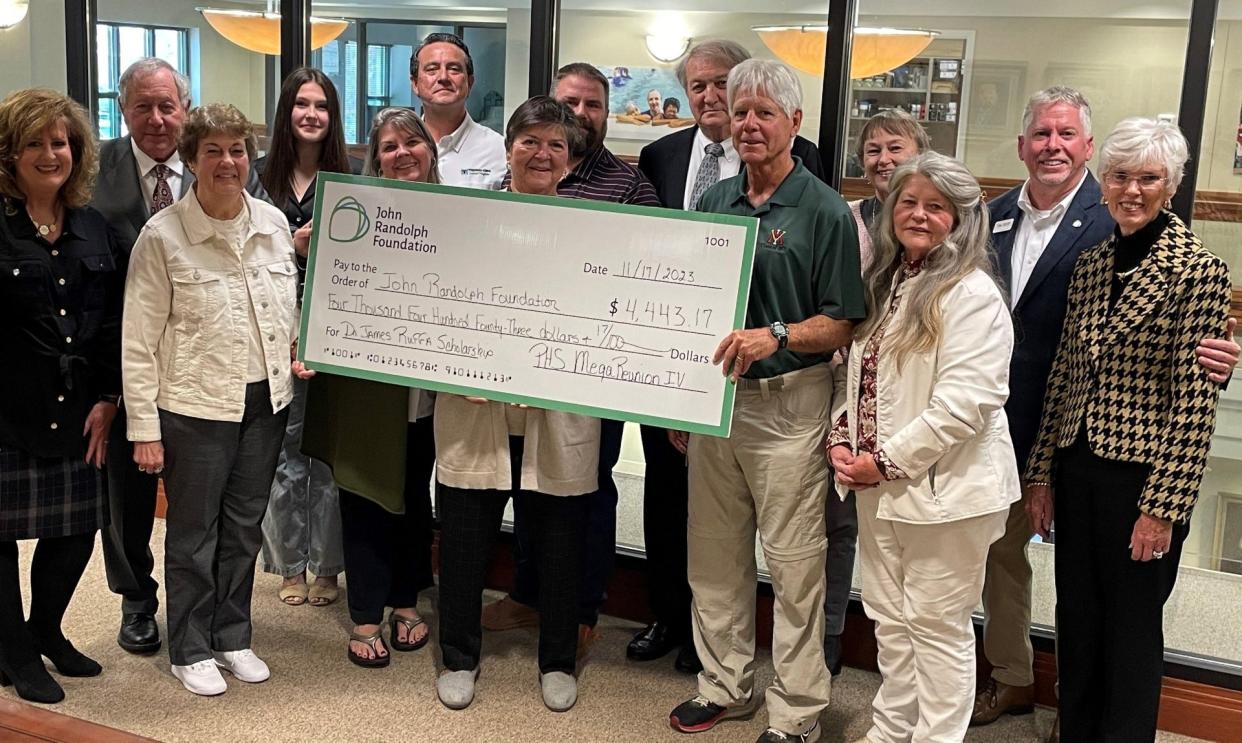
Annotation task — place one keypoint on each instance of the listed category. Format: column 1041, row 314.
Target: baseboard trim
column 26, row 723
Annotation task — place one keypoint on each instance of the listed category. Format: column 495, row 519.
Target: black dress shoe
column 832, row 654
column 687, row 659
column 139, row 633
column 656, row 640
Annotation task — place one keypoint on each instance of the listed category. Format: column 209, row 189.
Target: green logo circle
column 349, row 221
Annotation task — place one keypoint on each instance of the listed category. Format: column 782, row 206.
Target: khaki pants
column 920, row 584
column 771, row 473
column 1007, row 603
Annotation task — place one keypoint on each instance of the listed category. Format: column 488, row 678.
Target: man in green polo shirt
column 771, row 473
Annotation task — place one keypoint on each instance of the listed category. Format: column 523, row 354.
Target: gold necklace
column 44, row 229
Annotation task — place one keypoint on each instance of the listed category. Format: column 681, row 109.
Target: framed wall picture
column 1227, row 546
column 645, row 103
column 997, row 95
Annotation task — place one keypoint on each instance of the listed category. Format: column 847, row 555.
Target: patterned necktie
column 709, row 173
column 162, row 196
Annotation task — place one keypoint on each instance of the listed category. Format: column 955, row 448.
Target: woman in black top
column 302, row 528
column 61, row 278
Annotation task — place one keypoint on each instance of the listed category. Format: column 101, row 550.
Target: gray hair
column 409, row 122
column 1137, row 141
column 767, row 77
column 149, row 66
column 1058, row 94
column 728, row 53
column 964, row 249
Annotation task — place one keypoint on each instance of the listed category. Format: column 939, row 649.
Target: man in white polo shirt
column 442, row 73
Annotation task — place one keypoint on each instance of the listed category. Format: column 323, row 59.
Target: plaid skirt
column 49, row 497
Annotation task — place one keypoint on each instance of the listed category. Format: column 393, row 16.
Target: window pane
column 168, row 47
column 103, row 58
column 132, row 45
column 109, row 119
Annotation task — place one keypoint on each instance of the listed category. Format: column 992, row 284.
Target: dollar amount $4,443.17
column 660, row 314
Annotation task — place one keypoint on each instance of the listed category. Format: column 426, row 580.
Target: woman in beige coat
column 921, row 437
column 488, row 452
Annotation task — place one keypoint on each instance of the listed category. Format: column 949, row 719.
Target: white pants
column 920, row 583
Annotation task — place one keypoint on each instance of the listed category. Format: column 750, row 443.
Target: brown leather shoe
column 509, row 614
column 587, row 637
column 998, row 699
column 1055, row 735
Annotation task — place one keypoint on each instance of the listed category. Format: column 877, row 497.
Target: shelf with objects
column 930, row 87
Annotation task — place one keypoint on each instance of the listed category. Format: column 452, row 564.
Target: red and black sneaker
column 698, row 714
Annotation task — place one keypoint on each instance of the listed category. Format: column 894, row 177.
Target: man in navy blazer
column 672, row 163
column 137, row 172
column 1038, row 231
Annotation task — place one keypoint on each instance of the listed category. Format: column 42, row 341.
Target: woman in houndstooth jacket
column 1123, row 443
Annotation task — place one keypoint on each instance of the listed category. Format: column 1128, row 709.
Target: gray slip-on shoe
column 560, row 690
column 456, row 688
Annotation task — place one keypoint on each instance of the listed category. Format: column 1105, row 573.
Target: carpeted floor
column 315, row 694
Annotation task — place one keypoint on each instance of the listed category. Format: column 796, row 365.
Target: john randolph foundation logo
column 349, row 221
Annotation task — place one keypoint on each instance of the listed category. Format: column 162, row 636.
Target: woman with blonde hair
column 922, row 439
column 61, row 278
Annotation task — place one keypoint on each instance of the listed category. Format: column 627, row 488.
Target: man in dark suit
column 682, row 166
column 139, row 174
column 1038, row 231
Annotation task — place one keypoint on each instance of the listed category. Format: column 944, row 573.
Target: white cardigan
column 941, row 418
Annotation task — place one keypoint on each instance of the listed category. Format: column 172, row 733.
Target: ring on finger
column 1157, row 554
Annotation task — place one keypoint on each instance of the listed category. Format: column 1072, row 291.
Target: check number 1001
column 716, row 242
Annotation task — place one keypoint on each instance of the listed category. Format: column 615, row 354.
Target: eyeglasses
column 1146, row 181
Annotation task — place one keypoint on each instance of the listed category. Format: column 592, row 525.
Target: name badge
column 1004, row 225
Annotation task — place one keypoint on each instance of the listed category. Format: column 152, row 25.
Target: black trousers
column 127, row 540
column 55, row 570
column 666, row 494
column 599, row 547
column 469, row 522
column 1110, row 609
column 388, row 555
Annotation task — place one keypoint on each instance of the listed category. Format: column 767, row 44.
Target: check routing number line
column 499, row 332
column 546, row 312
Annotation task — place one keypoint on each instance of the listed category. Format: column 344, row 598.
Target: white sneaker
column 243, row 664
column 201, row 678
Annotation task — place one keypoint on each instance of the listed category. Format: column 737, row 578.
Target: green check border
column 720, row 428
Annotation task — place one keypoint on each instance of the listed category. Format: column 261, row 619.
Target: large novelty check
column 595, row 308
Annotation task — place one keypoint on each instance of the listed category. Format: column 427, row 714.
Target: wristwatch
column 780, row 333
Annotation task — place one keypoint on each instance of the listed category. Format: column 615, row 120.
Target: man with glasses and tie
column 682, row 166
column 139, row 174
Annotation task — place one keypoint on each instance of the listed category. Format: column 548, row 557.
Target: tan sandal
column 409, row 623
column 372, row 640
column 294, row 594
column 324, row 594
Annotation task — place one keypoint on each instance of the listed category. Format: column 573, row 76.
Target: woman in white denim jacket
column 921, row 438
column 208, row 327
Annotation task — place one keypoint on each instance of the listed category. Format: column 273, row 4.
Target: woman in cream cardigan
column 921, row 437
column 488, row 452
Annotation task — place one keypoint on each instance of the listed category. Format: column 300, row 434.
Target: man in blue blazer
column 139, row 174
column 1038, row 231
column 682, row 166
